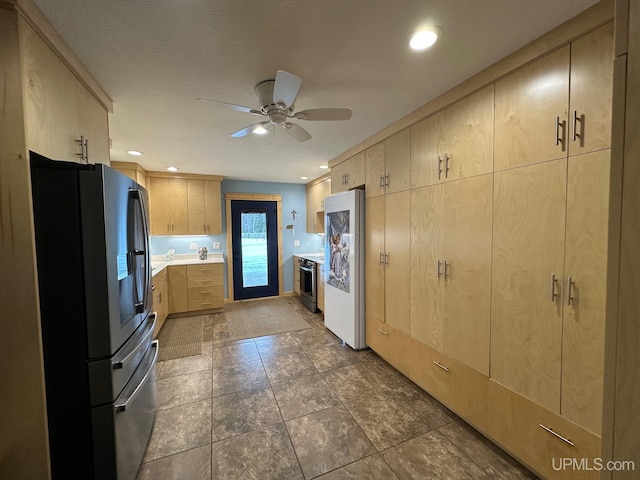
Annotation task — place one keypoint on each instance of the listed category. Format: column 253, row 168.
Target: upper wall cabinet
column 180, row 206
column 388, row 165
column 316, row 194
column 64, row 121
column 536, row 117
column 454, row 143
column 348, row 174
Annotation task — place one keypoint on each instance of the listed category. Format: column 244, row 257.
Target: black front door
column 254, row 235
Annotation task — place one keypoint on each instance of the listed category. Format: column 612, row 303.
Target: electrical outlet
column 296, row 243
column 193, row 246
column 216, row 245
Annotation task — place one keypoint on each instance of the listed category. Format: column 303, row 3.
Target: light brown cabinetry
column 451, row 268
column 388, row 165
column 132, row 170
column 348, row 174
column 387, row 250
column 181, row 206
column 204, row 207
column 196, row 287
column 160, row 299
column 454, row 143
column 168, row 206
column 320, row 282
column 63, row 120
column 296, row 274
column 536, row 117
column 316, row 193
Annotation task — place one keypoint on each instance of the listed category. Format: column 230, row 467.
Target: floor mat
column 180, row 337
column 262, row 317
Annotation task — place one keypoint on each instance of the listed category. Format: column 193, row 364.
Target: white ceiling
column 155, row 57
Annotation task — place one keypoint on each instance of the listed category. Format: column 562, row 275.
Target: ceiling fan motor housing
column 277, row 113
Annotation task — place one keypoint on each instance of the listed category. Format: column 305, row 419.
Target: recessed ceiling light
column 424, row 38
column 324, row 167
column 135, row 153
column 304, row 178
column 260, row 130
column 173, row 169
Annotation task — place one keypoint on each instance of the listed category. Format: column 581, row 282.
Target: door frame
column 262, row 197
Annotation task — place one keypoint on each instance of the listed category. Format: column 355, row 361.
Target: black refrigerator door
column 115, row 258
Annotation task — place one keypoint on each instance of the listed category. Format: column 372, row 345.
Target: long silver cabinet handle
column 557, row 435
column 575, row 125
column 447, row 267
column 553, row 287
column 439, row 167
column 569, row 289
column 381, row 258
column 386, row 180
column 557, row 131
column 439, row 263
column 438, row 364
column 446, row 165
column 383, row 332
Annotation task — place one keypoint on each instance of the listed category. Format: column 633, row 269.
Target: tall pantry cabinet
column 506, row 208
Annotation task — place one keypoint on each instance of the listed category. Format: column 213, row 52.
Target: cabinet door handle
column 168, row 228
column 570, row 283
column 439, row 263
column 86, row 150
column 554, row 281
column 439, row 167
column 381, row 181
column 381, row 258
column 557, row 435
column 446, row 165
column 383, row 332
column 386, row 258
column 438, row 364
column 559, row 136
column 386, row 180
column 447, row 266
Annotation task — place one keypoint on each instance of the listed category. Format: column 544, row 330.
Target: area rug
column 180, row 337
column 262, row 317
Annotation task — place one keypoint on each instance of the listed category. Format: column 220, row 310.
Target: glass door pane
column 255, row 271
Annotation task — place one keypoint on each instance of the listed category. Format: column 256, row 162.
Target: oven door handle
column 306, row 269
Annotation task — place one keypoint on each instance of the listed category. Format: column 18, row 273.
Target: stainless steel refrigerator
column 94, row 281
column 344, row 292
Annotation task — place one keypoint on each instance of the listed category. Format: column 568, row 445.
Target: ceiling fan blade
column 296, row 131
column 232, row 106
column 324, row 114
column 286, row 88
column 247, row 130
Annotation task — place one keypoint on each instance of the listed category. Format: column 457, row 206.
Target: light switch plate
column 216, row 245
column 193, row 246
column 296, row 243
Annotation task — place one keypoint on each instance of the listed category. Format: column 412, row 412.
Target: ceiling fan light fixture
column 424, row 38
column 260, row 130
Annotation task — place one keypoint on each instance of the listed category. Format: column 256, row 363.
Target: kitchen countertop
column 316, row 257
column 159, row 262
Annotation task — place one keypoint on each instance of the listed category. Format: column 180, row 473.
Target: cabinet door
column 528, row 105
column 195, row 207
column 159, row 206
column 178, row 298
column 178, row 206
column 397, row 241
column 467, row 251
column 63, row 111
column 338, row 178
column 469, row 136
column 427, row 142
column 398, row 161
column 528, row 248
column 93, row 125
column 591, row 91
column 213, row 207
column 374, row 248
column 586, row 264
column 427, row 288
column 356, row 171
column 374, row 162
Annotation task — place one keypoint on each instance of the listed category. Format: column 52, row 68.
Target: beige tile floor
column 302, row 405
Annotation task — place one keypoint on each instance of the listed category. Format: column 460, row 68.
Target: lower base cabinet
column 196, row 287
column 160, row 299
column 320, row 281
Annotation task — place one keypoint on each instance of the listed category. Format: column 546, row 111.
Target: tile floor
column 300, row 405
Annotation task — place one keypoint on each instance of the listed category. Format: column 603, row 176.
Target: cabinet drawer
column 389, row 343
column 206, row 303
column 459, row 387
column 204, row 269
column 520, row 426
column 204, row 281
column 194, row 293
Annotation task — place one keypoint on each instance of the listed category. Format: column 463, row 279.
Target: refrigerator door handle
column 142, row 304
column 122, row 406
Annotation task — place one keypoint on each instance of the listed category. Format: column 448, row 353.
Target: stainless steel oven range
column 308, row 283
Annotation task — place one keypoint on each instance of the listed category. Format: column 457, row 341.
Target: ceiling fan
column 276, row 98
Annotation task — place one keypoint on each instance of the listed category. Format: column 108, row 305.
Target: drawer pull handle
column 446, row 369
column 383, row 332
column 557, row 435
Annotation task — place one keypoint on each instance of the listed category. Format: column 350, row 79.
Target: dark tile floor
column 300, row 405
